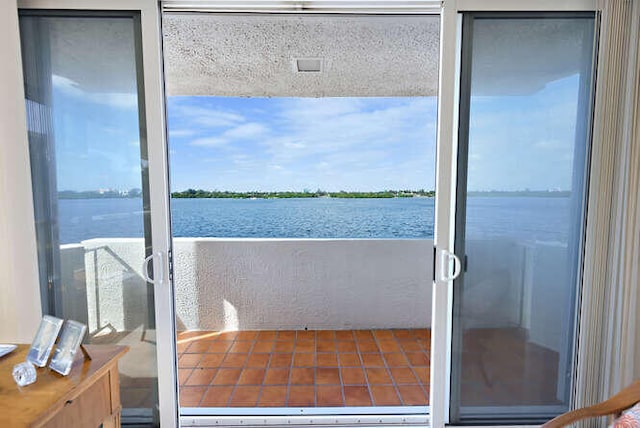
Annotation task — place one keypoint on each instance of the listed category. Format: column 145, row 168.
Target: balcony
column 348, row 315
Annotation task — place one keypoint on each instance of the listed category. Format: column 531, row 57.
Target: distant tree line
column 199, row 193
column 99, row 194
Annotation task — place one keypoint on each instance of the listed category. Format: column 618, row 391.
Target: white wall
column 19, row 289
column 315, row 284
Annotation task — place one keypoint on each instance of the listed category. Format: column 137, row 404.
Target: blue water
column 410, row 218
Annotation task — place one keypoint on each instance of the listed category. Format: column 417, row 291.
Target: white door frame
column 446, row 173
column 158, row 183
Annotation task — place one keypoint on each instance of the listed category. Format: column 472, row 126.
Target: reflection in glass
column 527, row 83
column 87, row 149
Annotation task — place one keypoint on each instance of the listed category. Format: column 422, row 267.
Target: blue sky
column 270, row 144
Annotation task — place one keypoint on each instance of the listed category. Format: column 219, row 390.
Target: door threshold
column 323, row 416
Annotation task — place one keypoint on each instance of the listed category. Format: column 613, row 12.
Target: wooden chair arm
column 614, row 405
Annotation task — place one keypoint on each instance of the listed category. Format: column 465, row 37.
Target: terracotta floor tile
column 353, row 376
column 258, row 360
column 190, row 396
column 234, row 360
column 403, row 333
column 326, row 346
column 363, row 335
column 182, row 347
column 201, row 377
column 199, row 346
column 306, row 359
column 368, row 346
column 327, row 360
column 372, row 360
column 220, row 346
column 327, row 376
column 384, row 396
column 216, row 396
column 183, row 375
column 396, row 360
column 263, row 346
column 403, row 375
column 302, row 376
column 389, row 346
column 378, row 376
column 417, row 358
column 345, row 335
column 410, row 345
column 251, row 377
column 329, row 396
column 280, row 360
column 305, row 346
column 412, row 395
column 267, row 335
column 349, row 360
column 277, row 377
column 211, row 360
column 356, row 396
column 286, row 335
column 246, row 335
column 305, row 335
column 228, row 335
column 189, row 360
column 325, row 335
column 383, row 334
column 273, row 396
column 284, row 346
column 423, row 374
column 302, row 396
column 245, row 396
column 346, row 346
column 226, row 377
column 241, row 347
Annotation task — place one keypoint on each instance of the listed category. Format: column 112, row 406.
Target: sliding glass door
column 522, row 163
column 98, row 159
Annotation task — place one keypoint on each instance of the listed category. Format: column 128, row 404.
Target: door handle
column 446, row 258
column 157, row 272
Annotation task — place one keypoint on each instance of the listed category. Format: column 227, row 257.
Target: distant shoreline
column 385, row 194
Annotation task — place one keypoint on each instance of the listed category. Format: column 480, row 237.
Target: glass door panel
column 522, row 164
column 87, row 129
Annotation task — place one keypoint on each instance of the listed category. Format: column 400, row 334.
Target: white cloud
column 178, row 133
column 210, row 142
column 209, row 118
column 112, row 99
column 245, row 131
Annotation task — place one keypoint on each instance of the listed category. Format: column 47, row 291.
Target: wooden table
column 87, row 397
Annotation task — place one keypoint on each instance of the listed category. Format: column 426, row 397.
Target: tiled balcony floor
column 320, row 368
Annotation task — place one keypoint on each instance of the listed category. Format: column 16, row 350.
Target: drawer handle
column 68, row 402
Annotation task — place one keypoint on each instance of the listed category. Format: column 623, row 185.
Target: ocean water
column 531, row 218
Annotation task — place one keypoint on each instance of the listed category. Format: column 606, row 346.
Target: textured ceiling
column 254, row 55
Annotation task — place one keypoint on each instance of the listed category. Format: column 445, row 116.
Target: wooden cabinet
column 88, row 397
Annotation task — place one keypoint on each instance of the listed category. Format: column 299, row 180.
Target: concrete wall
column 19, row 287
column 228, row 284
column 264, row 284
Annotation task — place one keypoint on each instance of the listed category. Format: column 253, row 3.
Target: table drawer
column 88, row 409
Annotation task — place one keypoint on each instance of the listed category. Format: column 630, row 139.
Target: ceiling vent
column 309, row 65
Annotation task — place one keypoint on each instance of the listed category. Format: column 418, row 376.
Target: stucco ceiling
column 254, row 55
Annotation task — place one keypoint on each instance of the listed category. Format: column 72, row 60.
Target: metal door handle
column 159, row 272
column 447, row 257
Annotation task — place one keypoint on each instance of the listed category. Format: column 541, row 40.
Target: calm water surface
column 409, row 218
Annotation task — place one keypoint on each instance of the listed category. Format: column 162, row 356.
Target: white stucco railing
column 252, row 284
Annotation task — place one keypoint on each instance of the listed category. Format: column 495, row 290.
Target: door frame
column 446, row 180
column 154, row 108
